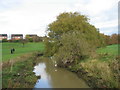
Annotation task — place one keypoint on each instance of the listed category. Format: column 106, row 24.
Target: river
column 54, row 77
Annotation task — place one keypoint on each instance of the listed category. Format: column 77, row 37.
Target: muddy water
column 54, row 77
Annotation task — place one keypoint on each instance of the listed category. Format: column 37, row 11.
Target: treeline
column 112, row 39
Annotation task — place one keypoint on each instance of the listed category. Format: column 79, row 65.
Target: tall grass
column 103, row 73
column 105, row 68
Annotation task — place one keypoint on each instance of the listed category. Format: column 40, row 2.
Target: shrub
column 16, row 41
column 50, row 47
column 4, row 40
column 30, row 40
column 106, row 74
column 73, row 49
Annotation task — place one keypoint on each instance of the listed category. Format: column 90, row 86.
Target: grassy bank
column 20, row 74
column 17, row 68
column 102, row 71
column 19, row 49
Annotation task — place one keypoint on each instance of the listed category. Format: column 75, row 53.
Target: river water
column 54, row 77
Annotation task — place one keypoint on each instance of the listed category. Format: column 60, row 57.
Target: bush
column 50, row 47
column 105, row 74
column 73, row 49
column 16, row 41
column 30, row 39
column 4, row 40
column 10, row 40
column 37, row 39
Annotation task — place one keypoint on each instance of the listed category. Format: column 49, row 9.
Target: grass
column 19, row 75
column 19, row 49
column 108, row 53
column 21, row 62
column 105, row 76
column 102, row 71
column 111, row 49
column 104, row 68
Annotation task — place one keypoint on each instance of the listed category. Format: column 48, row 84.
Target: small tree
column 28, row 38
column 23, row 41
column 4, row 40
column 36, row 39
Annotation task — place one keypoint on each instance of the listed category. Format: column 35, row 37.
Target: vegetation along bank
column 77, row 45
column 17, row 71
column 74, row 44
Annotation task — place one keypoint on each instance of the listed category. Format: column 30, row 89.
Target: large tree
column 69, row 22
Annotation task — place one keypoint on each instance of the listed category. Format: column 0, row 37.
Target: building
column 16, row 36
column 30, row 35
column 3, row 36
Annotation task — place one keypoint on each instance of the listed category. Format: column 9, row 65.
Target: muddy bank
column 19, row 74
column 81, row 73
column 97, row 76
column 90, row 80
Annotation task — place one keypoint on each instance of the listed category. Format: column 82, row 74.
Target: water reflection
column 53, row 77
column 43, row 81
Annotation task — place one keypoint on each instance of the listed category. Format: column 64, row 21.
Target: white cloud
column 95, row 7
column 102, row 13
column 33, row 16
column 113, row 23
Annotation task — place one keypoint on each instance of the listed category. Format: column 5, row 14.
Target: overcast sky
column 33, row 16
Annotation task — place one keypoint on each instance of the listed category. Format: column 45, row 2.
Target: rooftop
column 16, row 35
column 3, row 34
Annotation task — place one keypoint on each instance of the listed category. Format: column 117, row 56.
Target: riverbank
column 19, row 74
column 20, row 58
column 98, row 74
column 102, row 71
column 17, row 68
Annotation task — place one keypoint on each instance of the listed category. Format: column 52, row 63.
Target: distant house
column 16, row 36
column 3, row 36
column 30, row 35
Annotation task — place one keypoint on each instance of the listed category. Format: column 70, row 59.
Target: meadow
column 19, row 49
column 111, row 49
column 108, row 53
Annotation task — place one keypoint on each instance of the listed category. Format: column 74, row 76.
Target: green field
column 10, row 71
column 19, row 49
column 108, row 52
column 111, row 49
